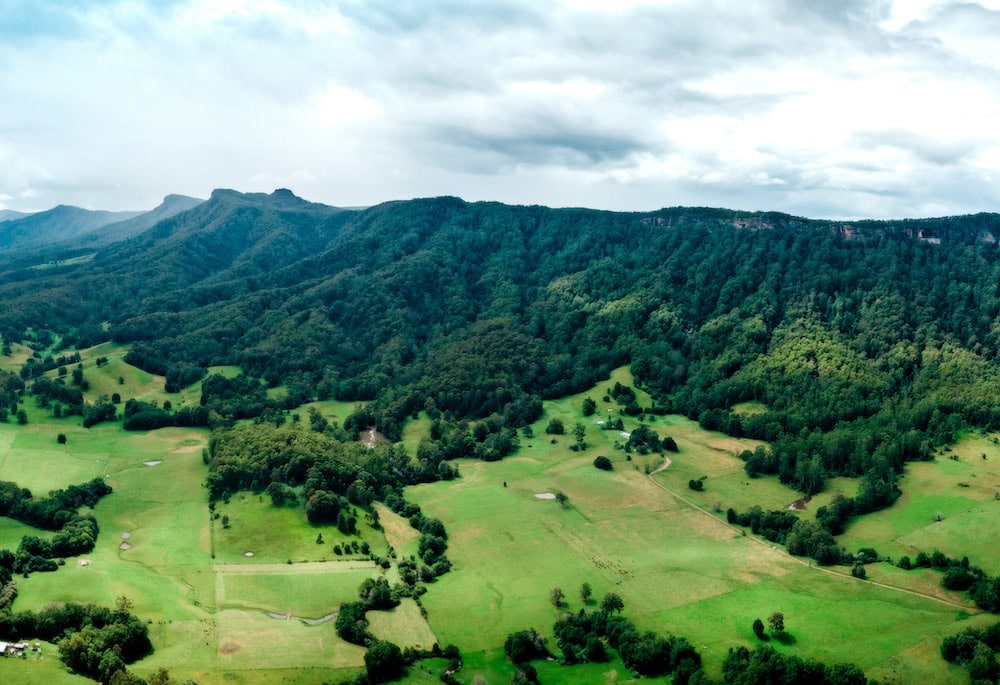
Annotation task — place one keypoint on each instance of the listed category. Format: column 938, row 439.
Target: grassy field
column 42, row 666
column 218, row 615
column 209, row 616
column 678, row 568
column 960, row 491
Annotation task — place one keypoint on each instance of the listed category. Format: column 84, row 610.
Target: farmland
column 226, row 601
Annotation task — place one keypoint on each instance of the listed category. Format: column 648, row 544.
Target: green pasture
column 16, row 359
column 398, row 532
column 660, row 545
column 426, row 672
column 961, row 492
column 12, row 531
column 42, row 666
column 332, row 410
column 82, row 259
column 676, row 563
column 402, row 625
column 279, row 534
column 749, row 408
column 320, row 588
column 493, row 667
column 414, row 430
column 208, row 617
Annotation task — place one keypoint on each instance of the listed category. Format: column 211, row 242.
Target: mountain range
column 64, row 224
column 483, row 308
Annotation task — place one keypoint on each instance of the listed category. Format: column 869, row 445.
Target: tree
column 61, row 438
column 579, row 431
column 858, row 570
column 556, row 597
column 563, row 499
column 758, row 629
column 611, row 603
column 589, row 406
column 124, row 605
column 555, row 427
column 586, row 592
column 603, row 463
column 525, row 674
column 983, row 665
column 22, row 417
column 776, row 622
column 384, row 662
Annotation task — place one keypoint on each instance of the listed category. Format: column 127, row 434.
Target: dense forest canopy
column 863, row 331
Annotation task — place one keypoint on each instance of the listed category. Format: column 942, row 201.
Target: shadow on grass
column 786, row 639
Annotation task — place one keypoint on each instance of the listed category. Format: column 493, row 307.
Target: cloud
column 838, row 108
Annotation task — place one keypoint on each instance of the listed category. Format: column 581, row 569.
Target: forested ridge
column 869, row 342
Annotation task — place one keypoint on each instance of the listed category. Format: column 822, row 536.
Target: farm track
column 807, row 564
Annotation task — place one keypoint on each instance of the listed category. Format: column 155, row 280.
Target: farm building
column 12, row 649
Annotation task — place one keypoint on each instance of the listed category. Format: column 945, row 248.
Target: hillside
column 129, row 228
column 56, row 225
column 886, row 326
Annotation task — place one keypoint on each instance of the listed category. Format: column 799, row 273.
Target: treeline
column 959, row 576
column 765, row 666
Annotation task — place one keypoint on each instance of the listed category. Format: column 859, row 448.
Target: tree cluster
column 975, row 649
column 94, row 641
column 75, row 534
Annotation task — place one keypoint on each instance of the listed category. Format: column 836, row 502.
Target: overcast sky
column 823, row 108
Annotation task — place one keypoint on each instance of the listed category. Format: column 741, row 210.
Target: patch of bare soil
column 800, row 504
column 229, row 648
column 372, row 437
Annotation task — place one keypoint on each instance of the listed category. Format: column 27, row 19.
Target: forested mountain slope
column 879, row 329
column 55, row 225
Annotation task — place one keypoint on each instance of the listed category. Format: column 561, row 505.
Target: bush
column 603, row 463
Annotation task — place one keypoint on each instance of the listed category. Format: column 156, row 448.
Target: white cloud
column 849, row 108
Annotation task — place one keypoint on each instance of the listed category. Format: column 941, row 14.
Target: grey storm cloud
column 835, row 108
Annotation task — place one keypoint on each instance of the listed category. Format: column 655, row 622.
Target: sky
column 820, row 108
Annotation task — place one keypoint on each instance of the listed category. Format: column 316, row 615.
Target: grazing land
column 233, row 602
column 678, row 568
